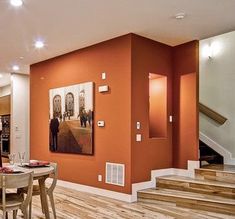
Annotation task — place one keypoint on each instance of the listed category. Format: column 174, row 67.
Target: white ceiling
column 67, row 25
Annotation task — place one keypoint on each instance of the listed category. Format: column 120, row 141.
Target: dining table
column 40, row 174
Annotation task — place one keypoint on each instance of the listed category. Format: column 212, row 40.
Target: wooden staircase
column 212, row 189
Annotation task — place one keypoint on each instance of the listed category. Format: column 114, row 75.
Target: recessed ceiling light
column 16, row 3
column 15, row 67
column 1, row 75
column 21, row 57
column 180, row 16
column 39, row 44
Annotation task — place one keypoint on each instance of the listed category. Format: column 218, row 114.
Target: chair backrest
column 12, row 181
column 15, row 181
column 54, row 176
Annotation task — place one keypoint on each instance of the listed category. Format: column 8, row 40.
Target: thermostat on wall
column 103, row 88
column 100, row 123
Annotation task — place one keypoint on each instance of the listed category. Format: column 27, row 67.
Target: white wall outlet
column 103, row 76
column 100, row 178
column 138, row 125
column 170, row 118
column 103, row 88
column 101, row 123
column 138, row 137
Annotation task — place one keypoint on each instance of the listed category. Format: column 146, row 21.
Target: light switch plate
column 137, row 125
column 103, row 76
column 138, row 137
column 170, row 118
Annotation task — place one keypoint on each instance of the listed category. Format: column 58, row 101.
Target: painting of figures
column 71, row 119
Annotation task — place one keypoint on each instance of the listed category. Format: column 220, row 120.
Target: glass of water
column 11, row 159
column 21, row 157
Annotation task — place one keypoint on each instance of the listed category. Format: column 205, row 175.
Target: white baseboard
column 161, row 172
column 228, row 159
column 192, row 165
column 135, row 187
column 96, row 191
column 164, row 172
column 140, row 186
column 149, row 184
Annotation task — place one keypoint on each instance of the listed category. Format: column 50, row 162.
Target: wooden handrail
column 212, row 114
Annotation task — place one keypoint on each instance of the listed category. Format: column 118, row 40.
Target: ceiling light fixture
column 39, row 44
column 1, row 75
column 16, row 3
column 15, row 68
column 180, row 16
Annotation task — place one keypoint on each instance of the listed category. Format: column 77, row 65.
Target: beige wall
column 20, row 114
column 217, row 88
column 6, row 90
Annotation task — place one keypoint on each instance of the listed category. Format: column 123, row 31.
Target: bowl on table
column 6, row 170
column 37, row 163
column 9, row 170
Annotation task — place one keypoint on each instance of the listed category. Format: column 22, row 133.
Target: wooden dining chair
column 12, row 201
column 49, row 191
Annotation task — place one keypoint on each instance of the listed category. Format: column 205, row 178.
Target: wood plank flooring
column 220, row 167
column 213, row 189
column 189, row 199
column 215, row 175
column 196, row 185
column 72, row 204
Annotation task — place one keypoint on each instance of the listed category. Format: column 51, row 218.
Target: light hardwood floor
column 220, row 167
column 71, row 204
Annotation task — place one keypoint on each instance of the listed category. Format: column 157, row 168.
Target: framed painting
column 71, row 119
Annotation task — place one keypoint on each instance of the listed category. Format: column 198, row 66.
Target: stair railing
column 212, row 114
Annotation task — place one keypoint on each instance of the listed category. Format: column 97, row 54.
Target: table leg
column 44, row 197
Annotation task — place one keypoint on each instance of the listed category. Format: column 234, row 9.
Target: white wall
column 20, row 114
column 6, row 90
column 217, row 88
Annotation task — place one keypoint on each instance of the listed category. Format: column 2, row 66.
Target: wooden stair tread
column 198, row 181
column 219, row 167
column 188, row 195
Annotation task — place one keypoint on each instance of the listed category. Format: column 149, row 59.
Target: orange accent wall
column 112, row 143
column 185, row 104
column 127, row 60
column 149, row 56
column 157, row 107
